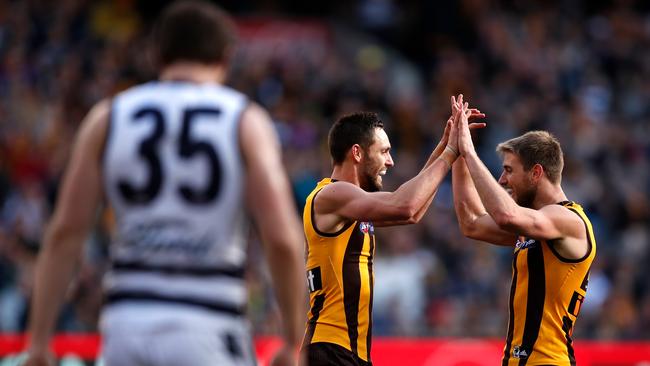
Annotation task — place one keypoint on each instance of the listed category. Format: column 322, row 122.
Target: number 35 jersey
column 173, row 174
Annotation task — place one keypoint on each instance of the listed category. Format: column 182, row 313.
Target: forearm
column 418, row 193
column 495, row 199
column 287, row 269
column 283, row 242
column 433, row 157
column 55, row 268
column 435, row 154
column 467, row 201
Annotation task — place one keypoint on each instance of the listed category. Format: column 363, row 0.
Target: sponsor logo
column 314, row 281
column 367, row 228
column 518, row 352
column 524, row 244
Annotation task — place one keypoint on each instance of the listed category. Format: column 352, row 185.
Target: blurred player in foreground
column 553, row 239
column 178, row 159
column 339, row 220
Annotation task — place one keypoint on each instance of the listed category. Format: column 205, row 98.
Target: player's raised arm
column 347, row 201
column 531, row 215
column 473, row 219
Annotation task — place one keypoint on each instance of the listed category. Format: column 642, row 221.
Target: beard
column 527, row 197
column 370, row 182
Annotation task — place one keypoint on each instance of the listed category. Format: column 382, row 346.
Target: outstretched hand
column 465, row 143
column 460, row 109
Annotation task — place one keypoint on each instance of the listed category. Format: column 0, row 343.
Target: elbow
column 504, row 220
column 412, row 220
column 284, row 246
column 55, row 234
column 408, row 214
column 62, row 236
column 468, row 229
column 465, row 229
column 472, row 228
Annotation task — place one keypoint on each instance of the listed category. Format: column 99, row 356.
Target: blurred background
column 579, row 69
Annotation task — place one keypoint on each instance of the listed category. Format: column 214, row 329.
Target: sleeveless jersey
column 545, row 299
column 340, row 281
column 173, row 175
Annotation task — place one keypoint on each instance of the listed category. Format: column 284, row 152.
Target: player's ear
column 356, row 152
column 537, row 172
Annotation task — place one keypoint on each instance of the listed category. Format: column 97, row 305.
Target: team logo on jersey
column 519, row 352
column 367, row 228
column 314, row 281
column 524, row 244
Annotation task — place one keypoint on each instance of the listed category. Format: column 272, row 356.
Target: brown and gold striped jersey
column 340, row 281
column 545, row 299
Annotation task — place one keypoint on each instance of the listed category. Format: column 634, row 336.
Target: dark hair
column 537, row 147
column 195, row 31
column 356, row 128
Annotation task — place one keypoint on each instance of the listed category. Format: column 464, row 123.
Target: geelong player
column 178, row 159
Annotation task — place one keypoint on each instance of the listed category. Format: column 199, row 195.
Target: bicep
column 353, row 203
column 81, row 188
column 267, row 184
column 484, row 228
column 543, row 224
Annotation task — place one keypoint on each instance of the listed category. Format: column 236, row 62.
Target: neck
column 194, row 72
column 548, row 194
column 346, row 172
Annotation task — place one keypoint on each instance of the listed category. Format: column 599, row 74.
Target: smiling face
column 376, row 161
column 517, row 181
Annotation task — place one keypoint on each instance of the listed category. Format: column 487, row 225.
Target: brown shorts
column 330, row 354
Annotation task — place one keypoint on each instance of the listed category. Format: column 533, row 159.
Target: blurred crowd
column 578, row 70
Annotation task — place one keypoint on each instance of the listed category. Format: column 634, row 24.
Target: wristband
column 442, row 157
column 452, row 150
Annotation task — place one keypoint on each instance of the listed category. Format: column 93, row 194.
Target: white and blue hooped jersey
column 173, row 173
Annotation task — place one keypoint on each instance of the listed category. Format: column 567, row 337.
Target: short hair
column 195, row 31
column 537, row 147
column 356, row 128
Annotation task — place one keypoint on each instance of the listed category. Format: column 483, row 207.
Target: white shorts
column 161, row 335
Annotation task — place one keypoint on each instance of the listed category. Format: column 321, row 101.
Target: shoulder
column 254, row 113
column 258, row 139
column 97, row 120
column 91, row 136
column 337, row 193
column 339, row 188
column 93, row 130
column 256, row 126
column 231, row 93
column 565, row 219
column 556, row 210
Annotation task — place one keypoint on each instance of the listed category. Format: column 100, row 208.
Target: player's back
column 174, row 177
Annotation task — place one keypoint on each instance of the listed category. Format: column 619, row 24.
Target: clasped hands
column 457, row 131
